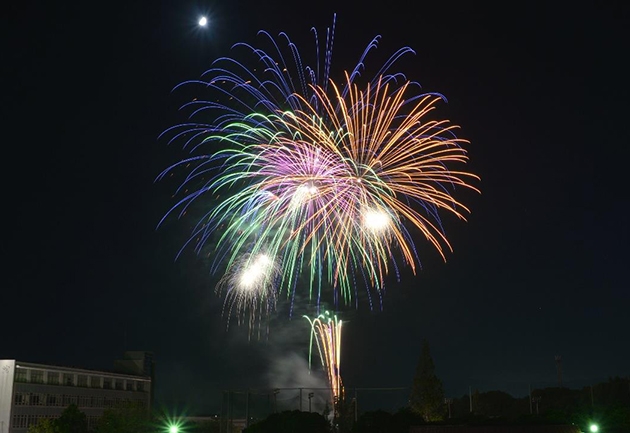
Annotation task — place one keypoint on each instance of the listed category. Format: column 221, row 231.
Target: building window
column 82, row 380
column 140, row 386
column 68, row 379
column 129, row 385
column 20, row 374
column 51, row 400
column 84, row 401
column 107, row 383
column 32, row 420
column 19, row 399
column 53, row 378
column 37, row 376
column 34, row 399
column 20, row 421
column 95, row 382
column 97, row 402
column 119, row 384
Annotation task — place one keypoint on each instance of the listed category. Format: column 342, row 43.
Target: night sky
column 539, row 269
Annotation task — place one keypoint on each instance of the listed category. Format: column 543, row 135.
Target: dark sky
column 540, row 268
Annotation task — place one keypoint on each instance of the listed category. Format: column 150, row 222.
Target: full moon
column 203, row 21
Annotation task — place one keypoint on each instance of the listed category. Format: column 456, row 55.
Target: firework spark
column 326, row 332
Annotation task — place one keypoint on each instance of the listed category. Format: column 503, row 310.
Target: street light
column 173, row 428
column 594, row 428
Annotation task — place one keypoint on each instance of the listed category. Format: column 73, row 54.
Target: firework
column 330, row 181
column 326, row 332
column 249, row 289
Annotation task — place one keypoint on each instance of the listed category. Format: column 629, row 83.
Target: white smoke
column 288, row 374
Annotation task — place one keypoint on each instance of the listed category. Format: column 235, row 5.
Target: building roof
column 62, row 369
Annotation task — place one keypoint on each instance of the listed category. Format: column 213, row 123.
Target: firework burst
column 249, row 289
column 330, row 181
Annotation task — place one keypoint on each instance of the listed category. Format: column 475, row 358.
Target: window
column 107, row 383
column 119, row 384
column 82, row 380
column 68, row 379
column 51, row 400
column 20, row 421
column 53, row 378
column 140, row 386
column 129, row 385
column 19, row 399
column 34, row 399
column 32, row 419
column 37, row 376
column 20, row 374
column 95, row 382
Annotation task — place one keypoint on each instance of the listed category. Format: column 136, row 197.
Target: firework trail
column 329, row 181
column 326, row 331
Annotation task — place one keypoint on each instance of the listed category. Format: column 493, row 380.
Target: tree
column 494, row 404
column 125, row 418
column 72, row 420
column 290, row 422
column 44, row 425
column 427, row 394
column 377, row 421
column 210, row 426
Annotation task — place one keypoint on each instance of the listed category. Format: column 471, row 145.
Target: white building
column 30, row 392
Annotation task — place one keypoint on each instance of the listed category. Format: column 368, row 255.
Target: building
column 138, row 363
column 30, row 392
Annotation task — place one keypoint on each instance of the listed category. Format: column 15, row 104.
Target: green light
column 594, row 428
column 175, row 429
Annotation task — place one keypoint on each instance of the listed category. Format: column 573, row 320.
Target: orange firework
column 326, row 331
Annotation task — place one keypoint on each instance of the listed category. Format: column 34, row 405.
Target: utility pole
column 228, row 425
column 221, row 412
column 448, row 402
column 300, row 399
column 470, row 397
column 247, row 408
column 275, row 400
column 356, row 405
column 310, row 397
column 537, row 400
column 531, row 409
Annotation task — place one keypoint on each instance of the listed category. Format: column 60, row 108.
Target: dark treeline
column 607, row 404
column 550, row 403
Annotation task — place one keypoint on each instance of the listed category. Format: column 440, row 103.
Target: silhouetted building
column 30, row 392
column 138, row 363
